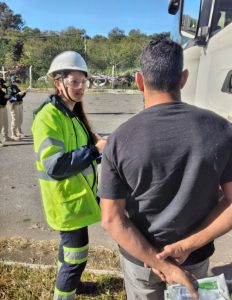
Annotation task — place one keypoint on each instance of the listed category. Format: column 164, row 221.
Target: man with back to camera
column 161, row 172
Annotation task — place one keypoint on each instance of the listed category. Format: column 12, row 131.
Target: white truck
column 205, row 27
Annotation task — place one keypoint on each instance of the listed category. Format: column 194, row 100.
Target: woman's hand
column 99, row 142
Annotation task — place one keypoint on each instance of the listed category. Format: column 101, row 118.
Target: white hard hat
column 68, row 60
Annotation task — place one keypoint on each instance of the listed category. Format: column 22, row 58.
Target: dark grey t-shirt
column 168, row 162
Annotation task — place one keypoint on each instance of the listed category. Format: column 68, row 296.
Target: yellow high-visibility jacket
column 66, row 164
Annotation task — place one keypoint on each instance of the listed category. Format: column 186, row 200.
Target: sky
column 95, row 16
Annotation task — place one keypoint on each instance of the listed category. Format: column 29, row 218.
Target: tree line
column 21, row 45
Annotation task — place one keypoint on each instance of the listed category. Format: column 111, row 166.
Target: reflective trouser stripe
column 58, row 295
column 37, row 156
column 76, row 255
column 59, row 264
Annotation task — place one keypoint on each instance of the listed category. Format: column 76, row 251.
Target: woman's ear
column 58, row 85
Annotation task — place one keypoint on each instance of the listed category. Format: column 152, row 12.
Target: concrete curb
column 90, row 91
column 114, row 91
column 87, row 270
column 39, row 266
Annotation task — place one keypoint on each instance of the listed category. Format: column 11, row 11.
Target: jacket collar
column 60, row 104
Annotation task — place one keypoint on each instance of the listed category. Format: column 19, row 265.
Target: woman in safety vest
column 66, row 151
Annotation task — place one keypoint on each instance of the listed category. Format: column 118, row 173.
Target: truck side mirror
column 189, row 21
column 227, row 85
column 173, row 6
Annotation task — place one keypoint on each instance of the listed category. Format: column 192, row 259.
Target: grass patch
column 23, row 283
column 19, row 282
column 45, row 252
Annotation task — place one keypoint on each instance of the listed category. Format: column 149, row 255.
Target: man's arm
column 218, row 222
column 123, row 231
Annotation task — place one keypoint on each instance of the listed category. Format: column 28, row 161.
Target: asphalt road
column 21, row 212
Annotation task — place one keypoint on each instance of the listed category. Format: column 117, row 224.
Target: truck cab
column 205, row 28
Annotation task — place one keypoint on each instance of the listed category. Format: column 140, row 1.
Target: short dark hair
column 161, row 64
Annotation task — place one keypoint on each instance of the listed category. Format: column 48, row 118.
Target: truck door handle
column 227, row 85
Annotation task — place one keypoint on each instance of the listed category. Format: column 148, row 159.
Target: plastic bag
column 211, row 288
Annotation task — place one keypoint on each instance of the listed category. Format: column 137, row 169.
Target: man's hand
column 175, row 251
column 128, row 236
column 175, row 275
column 157, row 272
column 22, row 93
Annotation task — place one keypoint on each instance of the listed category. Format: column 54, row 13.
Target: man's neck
column 152, row 98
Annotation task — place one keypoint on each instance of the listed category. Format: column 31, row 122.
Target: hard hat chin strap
column 66, row 91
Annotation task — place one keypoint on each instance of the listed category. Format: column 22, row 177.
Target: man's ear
column 184, row 78
column 139, row 81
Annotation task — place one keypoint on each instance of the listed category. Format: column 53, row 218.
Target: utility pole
column 30, row 77
column 85, row 47
column 113, row 68
column 3, row 73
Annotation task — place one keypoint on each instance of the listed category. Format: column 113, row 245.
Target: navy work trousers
column 73, row 252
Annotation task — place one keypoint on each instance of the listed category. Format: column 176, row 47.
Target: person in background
column 67, row 151
column 3, row 112
column 16, row 108
column 160, row 178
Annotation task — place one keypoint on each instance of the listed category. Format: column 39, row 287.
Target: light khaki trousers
column 142, row 284
column 16, row 111
column 3, row 121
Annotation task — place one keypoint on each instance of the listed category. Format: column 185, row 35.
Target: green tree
column 116, row 34
column 99, row 38
column 162, row 34
column 73, row 31
column 40, row 50
column 28, row 32
column 39, row 54
column 3, row 51
column 96, row 50
column 9, row 20
column 136, row 33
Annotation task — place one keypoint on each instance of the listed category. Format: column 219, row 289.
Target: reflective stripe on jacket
column 66, row 166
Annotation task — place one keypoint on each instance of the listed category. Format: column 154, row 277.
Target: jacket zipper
column 94, row 171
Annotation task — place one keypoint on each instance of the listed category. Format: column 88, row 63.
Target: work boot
column 86, row 288
column 1, row 144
